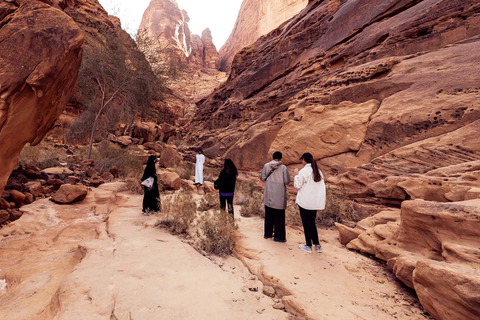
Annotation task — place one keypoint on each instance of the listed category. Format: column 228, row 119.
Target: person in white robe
column 199, row 167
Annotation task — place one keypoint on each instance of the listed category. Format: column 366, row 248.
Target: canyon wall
column 40, row 55
column 188, row 63
column 385, row 95
column 255, row 19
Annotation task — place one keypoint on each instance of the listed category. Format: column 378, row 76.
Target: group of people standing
column 311, row 197
column 308, row 181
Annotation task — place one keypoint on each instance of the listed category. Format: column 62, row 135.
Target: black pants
column 227, row 200
column 309, row 227
column 275, row 223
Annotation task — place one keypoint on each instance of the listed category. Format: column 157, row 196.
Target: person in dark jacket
column 226, row 185
column 151, row 201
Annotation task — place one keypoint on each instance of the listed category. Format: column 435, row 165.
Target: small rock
column 58, row 171
column 72, row 180
column 4, row 204
column 260, row 311
column 269, row 291
column 96, row 181
column 279, row 306
column 17, row 197
column 4, row 216
column 70, row 193
column 28, row 198
column 91, row 172
column 107, row 176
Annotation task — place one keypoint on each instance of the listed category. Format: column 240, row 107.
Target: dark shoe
column 264, row 237
column 278, row 240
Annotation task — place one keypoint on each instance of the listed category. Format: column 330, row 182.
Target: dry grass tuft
column 178, row 213
column 42, row 156
column 338, row 208
column 109, row 156
column 133, row 185
column 186, row 171
column 209, row 201
column 216, row 233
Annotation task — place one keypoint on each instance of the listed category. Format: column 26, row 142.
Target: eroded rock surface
column 255, row 19
column 40, row 55
column 338, row 51
column 433, row 248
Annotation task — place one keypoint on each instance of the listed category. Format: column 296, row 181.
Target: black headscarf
column 150, row 170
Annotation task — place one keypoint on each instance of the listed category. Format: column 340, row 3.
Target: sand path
column 335, row 284
column 102, row 259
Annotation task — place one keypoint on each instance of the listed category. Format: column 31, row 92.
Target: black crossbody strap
column 269, row 174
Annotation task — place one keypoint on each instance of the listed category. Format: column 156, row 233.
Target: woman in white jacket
column 310, row 198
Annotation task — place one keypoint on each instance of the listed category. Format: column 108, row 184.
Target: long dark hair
column 150, row 170
column 309, row 159
column 230, row 168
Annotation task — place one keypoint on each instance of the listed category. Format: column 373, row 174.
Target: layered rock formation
column 40, row 55
column 189, row 62
column 385, row 53
column 385, row 95
column 431, row 247
column 164, row 21
column 255, row 19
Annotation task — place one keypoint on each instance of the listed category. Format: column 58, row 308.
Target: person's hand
column 296, row 170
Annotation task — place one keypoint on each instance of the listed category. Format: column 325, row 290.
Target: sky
column 218, row 15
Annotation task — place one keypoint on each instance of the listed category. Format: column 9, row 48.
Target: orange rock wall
column 255, row 19
column 40, row 55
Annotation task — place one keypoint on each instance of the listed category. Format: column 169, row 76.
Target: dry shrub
column 42, row 156
column 209, row 201
column 109, row 156
column 186, row 170
column 253, row 206
column 133, row 185
column 210, row 174
column 338, row 208
column 292, row 214
column 178, row 213
column 216, row 233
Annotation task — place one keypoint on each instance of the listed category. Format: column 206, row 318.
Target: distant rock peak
column 165, row 21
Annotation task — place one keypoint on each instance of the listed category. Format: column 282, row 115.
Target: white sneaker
column 305, row 248
column 318, row 248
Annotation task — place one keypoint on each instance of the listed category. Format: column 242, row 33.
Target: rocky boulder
column 70, row 193
column 432, row 248
column 170, row 180
column 170, row 158
column 38, row 74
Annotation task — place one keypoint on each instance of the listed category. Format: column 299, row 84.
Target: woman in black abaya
column 151, row 201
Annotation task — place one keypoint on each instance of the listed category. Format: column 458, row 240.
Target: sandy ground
column 335, row 284
column 102, row 259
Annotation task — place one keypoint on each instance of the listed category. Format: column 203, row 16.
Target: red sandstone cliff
column 40, row 55
column 164, row 21
column 385, row 95
column 255, row 19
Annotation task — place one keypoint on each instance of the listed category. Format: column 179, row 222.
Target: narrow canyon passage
column 102, row 259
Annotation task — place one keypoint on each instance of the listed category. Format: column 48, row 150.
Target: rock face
column 338, row 55
column 255, row 19
column 38, row 73
column 190, row 61
column 433, row 248
column 165, row 21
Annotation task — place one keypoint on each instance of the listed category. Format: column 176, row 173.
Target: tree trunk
column 94, row 127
